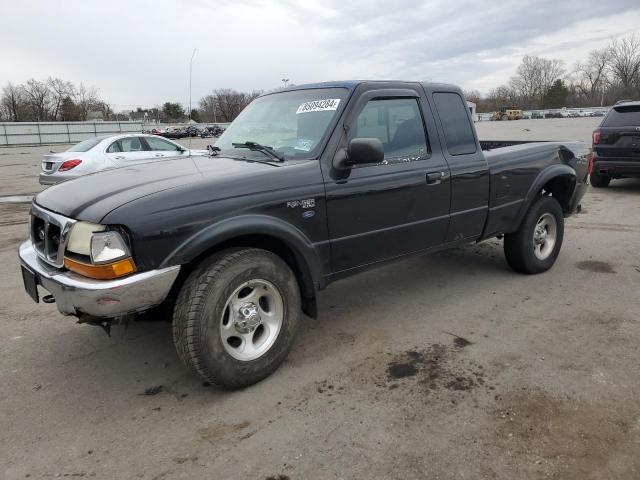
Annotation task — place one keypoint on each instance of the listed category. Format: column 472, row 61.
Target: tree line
column 221, row 106
column 50, row 99
column 606, row 76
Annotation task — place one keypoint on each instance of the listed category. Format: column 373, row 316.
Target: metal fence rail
column 47, row 133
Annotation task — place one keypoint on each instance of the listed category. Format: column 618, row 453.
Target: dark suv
column 616, row 144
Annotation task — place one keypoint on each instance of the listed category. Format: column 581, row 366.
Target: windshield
column 292, row 123
column 85, row 145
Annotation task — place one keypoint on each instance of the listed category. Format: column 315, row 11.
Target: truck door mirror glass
column 365, row 150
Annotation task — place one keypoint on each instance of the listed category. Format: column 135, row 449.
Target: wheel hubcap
column 247, row 319
column 252, row 319
column 544, row 236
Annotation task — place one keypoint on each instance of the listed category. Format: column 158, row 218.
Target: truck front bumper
column 77, row 295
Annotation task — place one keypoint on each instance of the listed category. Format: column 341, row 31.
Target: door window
column 455, row 123
column 128, row 144
column 159, row 144
column 397, row 123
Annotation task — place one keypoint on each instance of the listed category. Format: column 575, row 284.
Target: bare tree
column 12, row 102
column 38, row 99
column 592, row 74
column 86, row 98
column 60, row 89
column 625, row 61
column 472, row 96
column 534, row 77
column 208, row 108
column 226, row 103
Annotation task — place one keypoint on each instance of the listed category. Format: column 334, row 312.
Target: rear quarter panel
column 519, row 172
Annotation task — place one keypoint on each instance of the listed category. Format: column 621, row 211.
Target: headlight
column 80, row 237
column 99, row 253
column 108, row 247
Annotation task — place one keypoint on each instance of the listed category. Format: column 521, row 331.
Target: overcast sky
column 137, row 52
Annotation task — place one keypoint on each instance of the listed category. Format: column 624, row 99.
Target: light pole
column 190, row 75
column 285, row 81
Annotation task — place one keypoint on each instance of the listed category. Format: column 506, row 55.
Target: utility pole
column 190, row 76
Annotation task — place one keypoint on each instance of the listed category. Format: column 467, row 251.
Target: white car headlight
column 107, row 247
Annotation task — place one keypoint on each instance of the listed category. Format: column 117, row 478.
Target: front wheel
column 236, row 317
column 534, row 247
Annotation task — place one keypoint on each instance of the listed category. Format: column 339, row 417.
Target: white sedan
column 102, row 153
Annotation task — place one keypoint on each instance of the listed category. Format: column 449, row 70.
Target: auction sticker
column 319, row 106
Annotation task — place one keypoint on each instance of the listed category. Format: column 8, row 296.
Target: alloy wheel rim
column 545, row 235
column 251, row 320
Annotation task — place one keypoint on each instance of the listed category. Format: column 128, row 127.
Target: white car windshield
column 292, row 123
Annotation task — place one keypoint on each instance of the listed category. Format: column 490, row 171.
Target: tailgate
column 620, row 142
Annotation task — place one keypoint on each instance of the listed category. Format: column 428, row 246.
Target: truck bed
column 515, row 165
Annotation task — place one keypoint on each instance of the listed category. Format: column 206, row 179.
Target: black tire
column 599, row 181
column 519, row 246
column 200, row 307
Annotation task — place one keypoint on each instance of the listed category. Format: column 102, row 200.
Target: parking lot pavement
column 442, row 366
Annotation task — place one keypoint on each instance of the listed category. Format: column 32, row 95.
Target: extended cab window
column 455, row 123
column 397, row 123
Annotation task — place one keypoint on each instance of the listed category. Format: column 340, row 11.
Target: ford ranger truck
column 308, row 185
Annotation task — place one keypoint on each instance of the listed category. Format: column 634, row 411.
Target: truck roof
column 352, row 84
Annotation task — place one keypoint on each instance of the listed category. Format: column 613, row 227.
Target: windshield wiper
column 213, row 150
column 260, row 148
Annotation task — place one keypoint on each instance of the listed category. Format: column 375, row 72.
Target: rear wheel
column 505, row 117
column 534, row 247
column 236, row 317
column 599, row 181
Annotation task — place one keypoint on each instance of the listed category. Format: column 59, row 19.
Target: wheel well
column 561, row 188
column 293, row 259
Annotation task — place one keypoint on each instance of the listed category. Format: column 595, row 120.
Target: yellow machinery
column 507, row 113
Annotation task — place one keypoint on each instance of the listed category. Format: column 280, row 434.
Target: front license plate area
column 30, row 283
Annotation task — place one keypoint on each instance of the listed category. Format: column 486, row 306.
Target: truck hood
column 92, row 197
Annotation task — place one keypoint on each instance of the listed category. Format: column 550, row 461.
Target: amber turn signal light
column 108, row 271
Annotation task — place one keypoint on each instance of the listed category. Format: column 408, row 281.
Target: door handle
column 119, row 158
column 158, row 155
column 434, row 178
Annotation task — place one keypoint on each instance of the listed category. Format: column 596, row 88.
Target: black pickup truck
column 308, row 185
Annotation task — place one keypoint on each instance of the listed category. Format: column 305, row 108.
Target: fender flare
column 306, row 253
column 547, row 174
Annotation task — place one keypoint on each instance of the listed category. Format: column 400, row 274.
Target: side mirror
column 365, row 150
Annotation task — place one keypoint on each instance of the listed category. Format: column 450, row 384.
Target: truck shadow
column 625, row 185
column 140, row 360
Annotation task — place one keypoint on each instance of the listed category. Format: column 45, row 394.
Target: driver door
column 386, row 210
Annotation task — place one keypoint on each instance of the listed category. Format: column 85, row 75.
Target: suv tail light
column 595, row 137
column 69, row 164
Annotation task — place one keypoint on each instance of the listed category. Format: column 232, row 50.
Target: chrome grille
column 49, row 234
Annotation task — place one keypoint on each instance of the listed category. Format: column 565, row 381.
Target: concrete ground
column 447, row 366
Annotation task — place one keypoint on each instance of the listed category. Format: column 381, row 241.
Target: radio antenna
column 190, row 82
